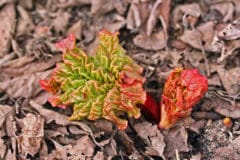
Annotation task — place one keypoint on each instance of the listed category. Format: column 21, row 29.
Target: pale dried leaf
column 61, row 21
column 102, row 6
column 59, row 153
column 226, row 108
column 76, row 29
column 154, row 42
column 152, row 19
column 7, row 27
column 34, row 67
column 115, row 26
column 137, row 15
column 19, row 62
column 43, row 153
column 50, row 116
column 41, row 98
column 196, row 157
column 154, row 137
column 98, row 156
column 28, row 4
column 225, row 8
column 24, row 86
column 231, row 31
column 186, row 9
column 58, row 131
column 3, row 149
column 230, row 79
column 104, row 125
column 83, row 146
column 175, row 139
column 200, row 37
column 5, row 110
column 25, row 23
column 29, row 141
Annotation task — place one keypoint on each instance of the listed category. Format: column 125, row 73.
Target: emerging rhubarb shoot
column 182, row 90
column 105, row 85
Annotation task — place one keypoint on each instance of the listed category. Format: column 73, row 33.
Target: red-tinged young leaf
column 67, row 44
column 182, row 90
column 105, row 85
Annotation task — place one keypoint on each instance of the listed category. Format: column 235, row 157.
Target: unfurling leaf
column 182, row 90
column 101, row 86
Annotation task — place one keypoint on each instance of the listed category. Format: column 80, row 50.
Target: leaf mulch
column 159, row 35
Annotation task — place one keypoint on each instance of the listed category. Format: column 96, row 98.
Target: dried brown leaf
column 226, row 108
column 231, row 31
column 20, row 66
column 76, row 29
column 24, row 86
column 152, row 19
column 25, row 23
column 3, row 149
column 175, row 139
column 200, row 37
column 225, row 8
column 26, row 4
column 50, row 116
column 7, row 27
column 227, row 152
column 29, row 141
column 59, row 153
column 98, row 156
column 230, row 79
column 153, row 136
column 192, row 9
column 154, row 42
column 102, row 6
column 84, row 146
column 61, row 21
column 137, row 14
column 5, row 111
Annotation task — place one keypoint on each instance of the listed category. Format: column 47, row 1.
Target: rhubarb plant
column 105, row 85
column 182, row 90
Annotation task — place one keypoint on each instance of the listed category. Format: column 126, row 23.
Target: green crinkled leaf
column 101, row 86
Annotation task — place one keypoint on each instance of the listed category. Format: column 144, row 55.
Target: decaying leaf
column 228, row 152
column 7, row 27
column 29, row 141
column 76, row 29
column 61, row 21
column 4, row 111
column 230, row 79
column 175, row 139
column 25, row 23
column 201, row 37
column 154, row 138
column 137, row 14
column 227, row 109
column 225, row 8
column 84, row 147
column 3, row 149
column 24, row 86
column 154, row 42
column 192, row 9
